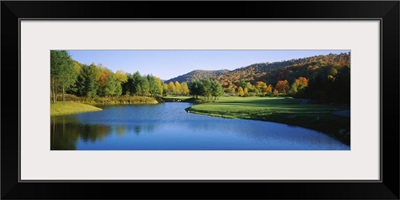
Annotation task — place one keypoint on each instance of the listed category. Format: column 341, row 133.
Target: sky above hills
column 167, row 64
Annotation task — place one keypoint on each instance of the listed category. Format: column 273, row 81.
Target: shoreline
column 78, row 106
column 69, row 107
column 336, row 129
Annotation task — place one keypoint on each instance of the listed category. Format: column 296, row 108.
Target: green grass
column 177, row 97
column 289, row 111
column 67, row 107
column 109, row 100
column 173, row 98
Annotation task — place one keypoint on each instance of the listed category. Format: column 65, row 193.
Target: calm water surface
column 167, row 126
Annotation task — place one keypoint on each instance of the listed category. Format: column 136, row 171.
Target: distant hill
column 198, row 75
column 269, row 72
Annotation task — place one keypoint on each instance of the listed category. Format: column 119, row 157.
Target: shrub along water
column 124, row 99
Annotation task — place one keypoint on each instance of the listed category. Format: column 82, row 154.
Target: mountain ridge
column 197, row 74
column 264, row 70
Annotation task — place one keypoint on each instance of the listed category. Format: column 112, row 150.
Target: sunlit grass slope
column 68, row 107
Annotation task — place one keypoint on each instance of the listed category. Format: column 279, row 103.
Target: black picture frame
column 386, row 11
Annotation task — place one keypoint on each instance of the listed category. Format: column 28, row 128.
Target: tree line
column 91, row 81
column 324, row 78
column 210, row 89
column 327, row 84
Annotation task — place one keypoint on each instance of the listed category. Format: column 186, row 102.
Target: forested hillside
column 324, row 78
column 198, row 75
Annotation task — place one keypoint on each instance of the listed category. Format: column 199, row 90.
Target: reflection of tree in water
column 94, row 132
column 120, row 130
column 137, row 130
column 140, row 128
column 61, row 140
column 65, row 133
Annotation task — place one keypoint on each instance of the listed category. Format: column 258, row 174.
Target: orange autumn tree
column 282, row 87
column 299, row 85
column 102, row 75
column 276, row 93
column 260, row 86
column 264, row 88
column 267, row 89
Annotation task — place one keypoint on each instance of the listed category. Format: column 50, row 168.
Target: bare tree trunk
column 53, row 92
column 56, row 92
column 63, row 91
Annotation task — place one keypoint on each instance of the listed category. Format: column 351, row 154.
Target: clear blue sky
column 168, row 64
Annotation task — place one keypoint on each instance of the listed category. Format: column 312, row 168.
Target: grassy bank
column 172, row 98
column 67, row 107
column 190, row 99
column 282, row 110
column 109, row 100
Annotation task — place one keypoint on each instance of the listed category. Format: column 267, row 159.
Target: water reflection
column 120, row 130
column 168, row 127
column 66, row 133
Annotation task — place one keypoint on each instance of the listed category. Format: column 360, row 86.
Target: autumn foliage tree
column 178, row 88
column 171, row 88
column 263, row 88
column 240, row 91
column 276, row 93
column 267, row 89
column 185, row 89
column 282, row 87
column 298, row 86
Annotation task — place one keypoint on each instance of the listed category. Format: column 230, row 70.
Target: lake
column 167, row 126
